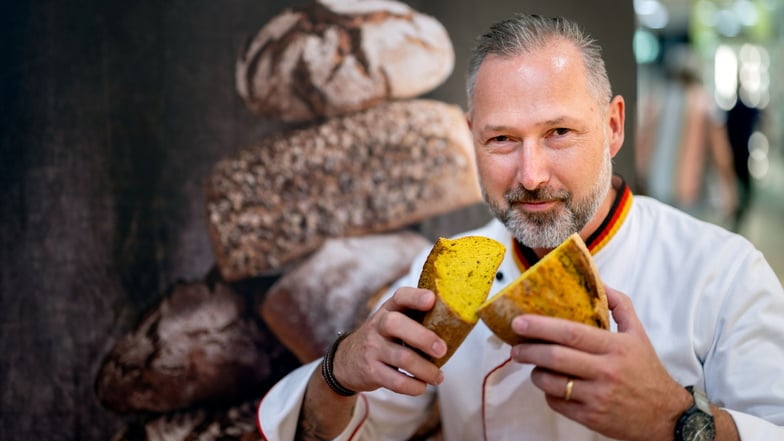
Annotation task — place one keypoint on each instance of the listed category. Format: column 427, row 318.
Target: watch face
column 699, row 427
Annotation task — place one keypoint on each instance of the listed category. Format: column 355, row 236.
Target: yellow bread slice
column 460, row 272
column 564, row 283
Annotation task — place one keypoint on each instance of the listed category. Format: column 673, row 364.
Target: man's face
column 542, row 144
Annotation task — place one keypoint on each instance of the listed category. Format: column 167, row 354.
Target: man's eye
column 561, row 131
column 500, row 138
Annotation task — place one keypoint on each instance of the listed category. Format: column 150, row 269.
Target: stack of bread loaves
column 307, row 226
column 372, row 159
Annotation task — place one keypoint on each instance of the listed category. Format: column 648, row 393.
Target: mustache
column 520, row 194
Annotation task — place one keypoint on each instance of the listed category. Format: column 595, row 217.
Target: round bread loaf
column 380, row 170
column 330, row 291
column 235, row 423
column 333, row 57
column 199, row 345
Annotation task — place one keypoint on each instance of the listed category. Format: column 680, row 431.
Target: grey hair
column 524, row 33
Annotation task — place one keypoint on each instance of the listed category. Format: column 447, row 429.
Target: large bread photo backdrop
column 308, row 226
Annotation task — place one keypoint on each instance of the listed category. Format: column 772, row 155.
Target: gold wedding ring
column 569, row 387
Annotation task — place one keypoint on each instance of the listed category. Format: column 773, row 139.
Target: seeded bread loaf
column 329, row 292
column 380, row 170
column 460, row 272
column 332, row 57
column 564, row 283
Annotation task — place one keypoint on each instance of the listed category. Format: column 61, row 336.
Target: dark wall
column 111, row 116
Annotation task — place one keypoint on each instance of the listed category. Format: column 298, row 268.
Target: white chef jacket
column 710, row 303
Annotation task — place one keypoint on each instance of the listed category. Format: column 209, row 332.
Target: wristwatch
column 696, row 424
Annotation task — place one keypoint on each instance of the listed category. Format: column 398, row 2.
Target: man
column 704, row 308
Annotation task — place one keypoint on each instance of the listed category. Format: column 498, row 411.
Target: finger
column 623, row 312
column 397, row 326
column 557, row 385
column 413, row 364
column 407, row 298
column 564, row 332
column 366, row 360
column 563, row 360
column 573, row 409
column 397, row 381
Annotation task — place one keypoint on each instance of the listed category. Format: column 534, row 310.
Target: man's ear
column 468, row 120
column 616, row 115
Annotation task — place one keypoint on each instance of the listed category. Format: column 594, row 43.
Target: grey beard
column 550, row 229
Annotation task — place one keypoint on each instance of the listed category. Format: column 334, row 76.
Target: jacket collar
column 525, row 257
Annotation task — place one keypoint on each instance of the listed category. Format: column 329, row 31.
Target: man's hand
column 370, row 357
column 620, row 387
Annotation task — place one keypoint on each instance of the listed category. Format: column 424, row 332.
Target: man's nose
column 533, row 166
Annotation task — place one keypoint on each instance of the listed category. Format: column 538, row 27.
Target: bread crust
column 331, row 291
column 200, row 345
column 473, row 271
column 331, row 58
column 390, row 167
column 564, row 284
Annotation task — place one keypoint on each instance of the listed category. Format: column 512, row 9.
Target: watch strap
column 700, row 404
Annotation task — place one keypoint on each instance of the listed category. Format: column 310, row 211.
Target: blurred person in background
column 742, row 120
column 684, row 156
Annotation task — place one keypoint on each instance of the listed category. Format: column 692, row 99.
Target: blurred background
column 731, row 52
column 113, row 113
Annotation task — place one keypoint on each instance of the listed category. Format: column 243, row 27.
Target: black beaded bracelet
column 326, row 369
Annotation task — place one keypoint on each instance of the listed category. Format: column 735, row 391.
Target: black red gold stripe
column 525, row 257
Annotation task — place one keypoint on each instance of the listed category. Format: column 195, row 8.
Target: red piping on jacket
column 484, row 401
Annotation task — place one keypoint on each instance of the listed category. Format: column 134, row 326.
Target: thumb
column 623, row 312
